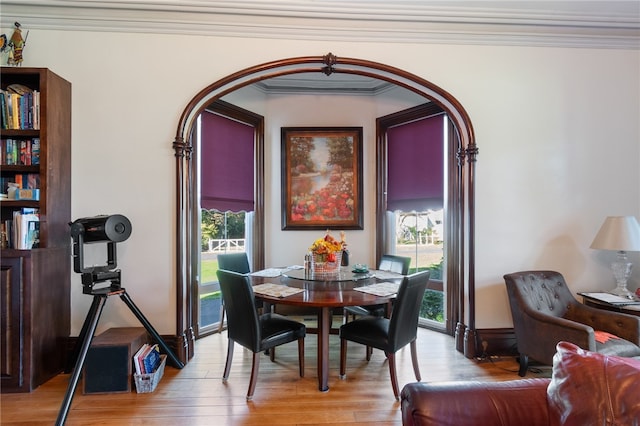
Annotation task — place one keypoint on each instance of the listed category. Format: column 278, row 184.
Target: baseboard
column 176, row 343
column 499, row 342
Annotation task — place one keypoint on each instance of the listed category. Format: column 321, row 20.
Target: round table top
column 326, row 290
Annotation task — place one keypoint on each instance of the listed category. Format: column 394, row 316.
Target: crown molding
column 588, row 24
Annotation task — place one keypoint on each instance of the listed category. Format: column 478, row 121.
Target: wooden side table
column 631, row 307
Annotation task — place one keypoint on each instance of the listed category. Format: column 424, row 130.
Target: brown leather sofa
column 586, row 388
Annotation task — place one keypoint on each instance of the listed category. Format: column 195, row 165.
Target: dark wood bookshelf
column 36, row 282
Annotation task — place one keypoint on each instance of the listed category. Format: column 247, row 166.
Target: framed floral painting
column 322, row 178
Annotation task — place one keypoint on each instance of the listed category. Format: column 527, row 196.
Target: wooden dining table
column 326, row 292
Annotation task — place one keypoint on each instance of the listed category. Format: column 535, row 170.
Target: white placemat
column 274, row 272
column 268, row 273
column 387, row 275
column 276, row 290
column 380, row 289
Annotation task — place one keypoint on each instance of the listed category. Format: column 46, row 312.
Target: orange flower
column 326, row 246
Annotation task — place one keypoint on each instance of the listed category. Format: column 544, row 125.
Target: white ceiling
column 591, row 23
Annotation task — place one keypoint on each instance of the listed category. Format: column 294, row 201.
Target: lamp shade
column 621, row 233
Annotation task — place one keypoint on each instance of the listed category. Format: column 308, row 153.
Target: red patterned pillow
column 588, row 388
column 610, row 344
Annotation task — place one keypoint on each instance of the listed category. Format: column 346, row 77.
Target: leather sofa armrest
column 515, row 402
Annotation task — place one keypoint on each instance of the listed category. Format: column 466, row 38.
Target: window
column 415, row 150
column 415, row 197
column 226, row 146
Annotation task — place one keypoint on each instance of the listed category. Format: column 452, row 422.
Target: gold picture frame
column 321, row 178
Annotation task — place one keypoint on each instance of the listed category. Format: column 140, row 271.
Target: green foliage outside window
column 432, row 305
column 433, row 301
column 218, row 225
column 436, row 270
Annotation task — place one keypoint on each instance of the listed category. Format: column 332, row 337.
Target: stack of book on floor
column 149, row 365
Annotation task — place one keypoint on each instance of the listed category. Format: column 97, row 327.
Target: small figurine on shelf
column 5, row 49
column 16, row 45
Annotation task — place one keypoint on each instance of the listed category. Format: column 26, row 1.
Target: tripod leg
column 91, row 323
column 125, row 297
column 83, row 332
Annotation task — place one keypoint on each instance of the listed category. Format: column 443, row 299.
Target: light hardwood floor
column 195, row 395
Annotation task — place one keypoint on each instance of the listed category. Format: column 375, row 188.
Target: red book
column 27, row 154
column 23, row 153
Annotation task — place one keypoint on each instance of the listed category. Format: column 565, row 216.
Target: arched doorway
column 461, row 220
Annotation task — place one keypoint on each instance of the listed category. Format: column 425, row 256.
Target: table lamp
column 622, row 234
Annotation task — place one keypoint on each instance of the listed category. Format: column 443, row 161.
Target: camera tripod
column 100, row 297
column 109, row 229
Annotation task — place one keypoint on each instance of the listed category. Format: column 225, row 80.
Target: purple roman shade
column 227, row 164
column 415, row 179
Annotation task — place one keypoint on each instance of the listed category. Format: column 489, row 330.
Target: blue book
column 35, row 151
column 3, row 110
column 152, row 360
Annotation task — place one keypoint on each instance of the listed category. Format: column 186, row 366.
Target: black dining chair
column 390, row 334
column 255, row 332
column 393, row 263
column 236, row 262
column 389, row 263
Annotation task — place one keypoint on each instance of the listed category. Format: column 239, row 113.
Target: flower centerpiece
column 327, row 253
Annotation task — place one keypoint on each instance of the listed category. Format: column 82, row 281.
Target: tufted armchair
column 545, row 312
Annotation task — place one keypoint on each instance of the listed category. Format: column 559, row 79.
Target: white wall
column 557, row 128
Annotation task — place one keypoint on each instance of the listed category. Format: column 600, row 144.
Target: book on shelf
column 10, row 152
column 26, row 186
column 25, row 152
column 3, row 110
column 35, row 151
column 32, row 181
column 4, row 234
column 20, row 107
column 19, row 89
column 4, row 185
column 27, row 194
column 15, row 111
column 20, row 152
column 24, row 229
column 33, row 234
